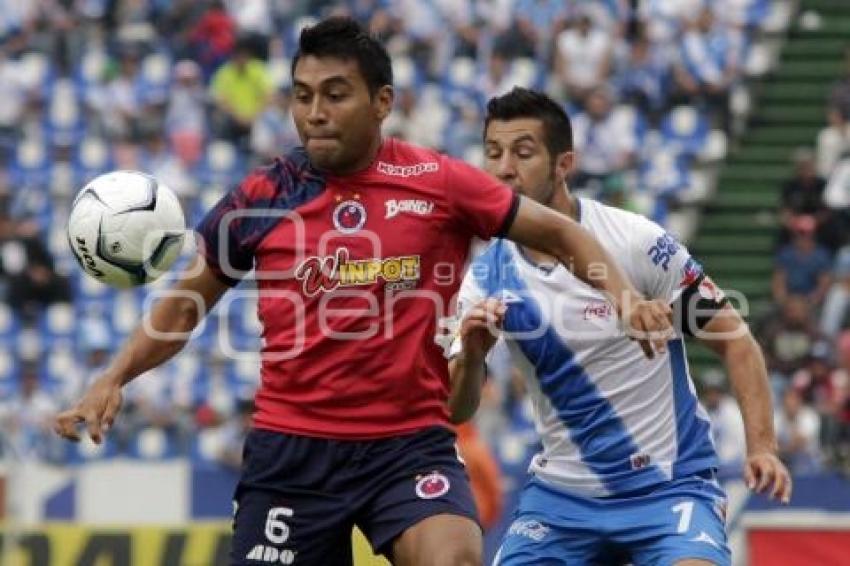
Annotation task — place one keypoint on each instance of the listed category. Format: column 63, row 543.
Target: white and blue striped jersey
column 611, row 420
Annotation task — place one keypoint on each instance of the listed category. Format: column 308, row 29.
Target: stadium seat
column 685, row 129
column 153, row 443
column 92, row 158
column 404, row 73
column 220, row 165
column 126, row 313
column 279, row 72
column 9, row 372
column 58, row 321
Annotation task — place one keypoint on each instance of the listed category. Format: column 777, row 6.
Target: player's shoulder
column 288, row 181
column 491, row 264
column 629, row 226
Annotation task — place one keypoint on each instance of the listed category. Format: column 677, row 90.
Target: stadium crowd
column 807, row 338
column 197, row 92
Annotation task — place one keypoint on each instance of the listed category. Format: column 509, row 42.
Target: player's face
column 338, row 122
column 515, row 152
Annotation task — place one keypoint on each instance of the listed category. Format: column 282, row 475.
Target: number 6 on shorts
column 277, row 531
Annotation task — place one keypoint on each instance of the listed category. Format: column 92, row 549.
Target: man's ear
column 564, row 164
column 383, row 101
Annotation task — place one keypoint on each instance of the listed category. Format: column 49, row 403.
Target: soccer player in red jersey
column 358, row 244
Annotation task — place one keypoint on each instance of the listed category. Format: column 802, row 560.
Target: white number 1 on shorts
column 686, row 508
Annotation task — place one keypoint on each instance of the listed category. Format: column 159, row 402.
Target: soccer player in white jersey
column 627, row 467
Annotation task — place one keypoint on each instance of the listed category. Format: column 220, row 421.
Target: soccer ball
column 126, row 228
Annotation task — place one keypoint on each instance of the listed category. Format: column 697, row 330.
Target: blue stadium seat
column 685, row 129
column 9, row 370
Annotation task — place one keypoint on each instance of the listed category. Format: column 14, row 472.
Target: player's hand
column 97, row 409
column 765, row 473
column 650, row 323
column 480, row 327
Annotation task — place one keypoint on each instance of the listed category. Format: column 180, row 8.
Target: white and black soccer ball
column 126, row 228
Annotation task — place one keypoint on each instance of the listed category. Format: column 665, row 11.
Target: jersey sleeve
column 667, row 271
column 663, row 267
column 226, row 233
column 482, row 204
column 469, row 295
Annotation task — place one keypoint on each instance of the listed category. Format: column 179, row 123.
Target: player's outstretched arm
column 478, row 333
column 729, row 336
column 545, row 230
column 151, row 344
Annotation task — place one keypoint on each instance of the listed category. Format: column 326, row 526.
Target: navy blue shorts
column 299, row 497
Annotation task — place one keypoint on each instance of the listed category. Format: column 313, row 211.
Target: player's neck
column 566, row 204
column 363, row 163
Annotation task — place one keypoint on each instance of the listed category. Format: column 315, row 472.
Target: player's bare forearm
column 728, row 335
column 466, row 374
column 169, row 324
column 545, row 230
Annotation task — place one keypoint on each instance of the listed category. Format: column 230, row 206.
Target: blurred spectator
column 606, row 146
column 483, row 473
column 840, row 448
column 419, row 117
column 213, row 38
column 164, row 164
column 836, row 307
column 26, row 418
column 727, row 425
column 119, row 102
column 241, row 88
column 14, row 91
column 798, row 434
column 233, row 433
column 27, row 268
column 709, row 62
column 583, row 59
column 186, row 116
column 837, row 194
column 787, row 339
column 253, row 18
column 640, row 76
column 819, row 384
column 273, row 132
column 537, row 23
column 802, row 267
column 496, row 78
column 834, row 140
column 803, row 194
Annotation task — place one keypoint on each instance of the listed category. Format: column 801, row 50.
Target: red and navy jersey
column 353, row 273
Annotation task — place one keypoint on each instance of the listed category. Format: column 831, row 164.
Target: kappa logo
column 705, row 538
column 432, row 486
column 271, row 555
column 412, row 206
column 408, row 170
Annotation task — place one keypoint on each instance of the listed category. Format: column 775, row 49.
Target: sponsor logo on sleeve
column 690, row 273
column 663, row 250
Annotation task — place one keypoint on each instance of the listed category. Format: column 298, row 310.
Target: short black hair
column 526, row 103
column 345, row 39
